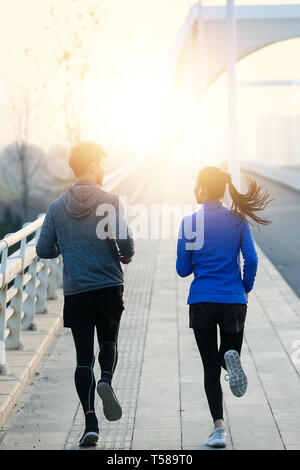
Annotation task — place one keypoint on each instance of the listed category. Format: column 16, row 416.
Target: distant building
column 278, row 140
column 294, row 156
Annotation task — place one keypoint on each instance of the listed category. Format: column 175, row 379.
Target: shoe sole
column 217, row 443
column 89, row 439
column 237, row 378
column 111, row 407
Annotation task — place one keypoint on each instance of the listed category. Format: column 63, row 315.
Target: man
column 87, row 226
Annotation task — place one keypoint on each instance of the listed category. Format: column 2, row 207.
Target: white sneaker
column 217, row 438
column 237, row 377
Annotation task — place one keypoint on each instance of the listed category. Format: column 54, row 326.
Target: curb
column 283, row 176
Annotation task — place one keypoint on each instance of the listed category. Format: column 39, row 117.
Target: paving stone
column 258, row 438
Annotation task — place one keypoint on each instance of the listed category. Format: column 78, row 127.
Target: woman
column 219, row 293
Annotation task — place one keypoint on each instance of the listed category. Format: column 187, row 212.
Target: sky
column 127, row 53
column 127, row 75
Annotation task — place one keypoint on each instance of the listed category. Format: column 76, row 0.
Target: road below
column 280, row 240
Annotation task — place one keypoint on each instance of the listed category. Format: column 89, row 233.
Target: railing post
column 41, row 289
column 42, row 276
column 233, row 157
column 14, row 322
column 52, row 280
column 3, row 296
column 29, row 290
column 29, row 303
column 3, row 301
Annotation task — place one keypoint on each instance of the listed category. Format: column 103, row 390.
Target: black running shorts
column 103, row 305
column 207, row 315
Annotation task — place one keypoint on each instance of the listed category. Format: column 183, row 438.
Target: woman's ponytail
column 227, row 177
column 255, row 199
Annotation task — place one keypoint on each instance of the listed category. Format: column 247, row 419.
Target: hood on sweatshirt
column 81, row 198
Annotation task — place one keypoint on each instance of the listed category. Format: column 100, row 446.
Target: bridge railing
column 27, row 282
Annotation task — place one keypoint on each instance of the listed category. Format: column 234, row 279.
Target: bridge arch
column 256, row 27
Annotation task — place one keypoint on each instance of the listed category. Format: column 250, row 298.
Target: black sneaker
column 111, row 407
column 91, row 432
column 89, row 438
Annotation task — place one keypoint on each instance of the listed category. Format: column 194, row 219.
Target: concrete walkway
column 159, row 377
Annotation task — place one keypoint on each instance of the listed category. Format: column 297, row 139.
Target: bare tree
column 76, row 34
column 20, row 161
column 73, row 27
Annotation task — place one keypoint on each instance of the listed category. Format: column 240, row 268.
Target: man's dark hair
column 83, row 154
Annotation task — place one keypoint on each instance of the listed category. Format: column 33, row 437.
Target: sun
column 128, row 108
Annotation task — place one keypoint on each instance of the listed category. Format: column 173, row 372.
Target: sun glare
column 128, row 109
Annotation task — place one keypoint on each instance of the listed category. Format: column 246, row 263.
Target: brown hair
column 245, row 205
column 83, row 154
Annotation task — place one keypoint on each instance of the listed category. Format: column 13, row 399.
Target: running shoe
column 89, row 438
column 111, row 407
column 236, row 376
column 217, row 438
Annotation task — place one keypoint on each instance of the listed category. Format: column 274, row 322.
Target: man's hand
column 124, row 260
column 247, row 294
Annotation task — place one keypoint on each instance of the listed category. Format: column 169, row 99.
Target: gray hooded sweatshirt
column 87, row 226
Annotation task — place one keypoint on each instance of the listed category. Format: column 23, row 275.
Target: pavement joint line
column 179, row 359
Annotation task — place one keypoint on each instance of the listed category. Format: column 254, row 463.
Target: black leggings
column 83, row 334
column 213, row 360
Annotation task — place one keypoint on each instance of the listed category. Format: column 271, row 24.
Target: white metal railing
column 27, row 282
